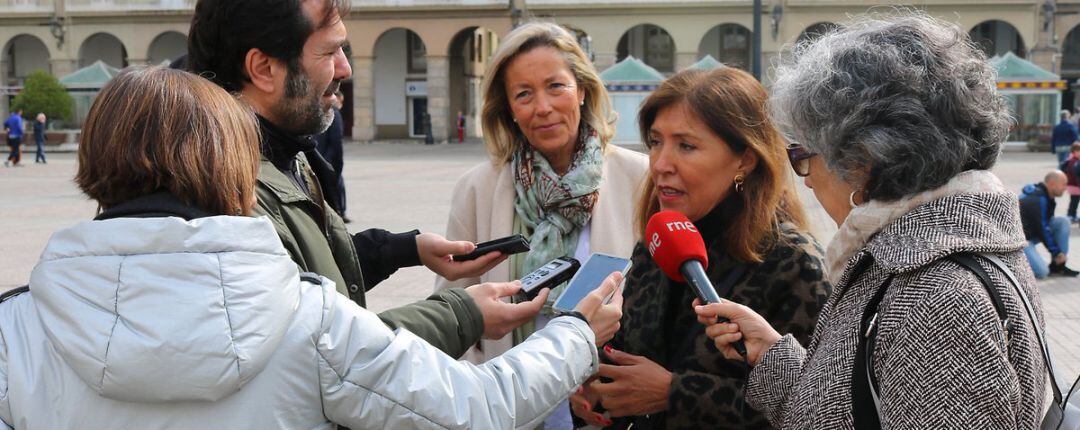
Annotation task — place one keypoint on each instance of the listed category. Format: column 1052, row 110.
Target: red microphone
column 676, row 246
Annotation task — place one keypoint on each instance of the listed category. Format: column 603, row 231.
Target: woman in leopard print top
column 730, row 178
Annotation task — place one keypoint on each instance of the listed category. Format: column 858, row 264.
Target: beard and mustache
column 305, row 109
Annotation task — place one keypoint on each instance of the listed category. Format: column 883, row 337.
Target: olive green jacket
column 318, row 242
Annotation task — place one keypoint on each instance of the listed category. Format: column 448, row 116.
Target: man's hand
column 435, row 252
column 501, row 317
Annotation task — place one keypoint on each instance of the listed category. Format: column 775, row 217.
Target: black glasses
column 800, row 157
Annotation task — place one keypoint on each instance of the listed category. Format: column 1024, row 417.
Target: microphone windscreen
column 672, row 240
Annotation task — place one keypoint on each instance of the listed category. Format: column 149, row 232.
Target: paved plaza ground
column 404, row 186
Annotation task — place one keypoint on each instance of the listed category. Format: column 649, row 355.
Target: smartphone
column 589, row 277
column 507, row 245
column 549, row 275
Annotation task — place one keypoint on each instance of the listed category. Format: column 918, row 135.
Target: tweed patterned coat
column 788, row 288
column 942, row 359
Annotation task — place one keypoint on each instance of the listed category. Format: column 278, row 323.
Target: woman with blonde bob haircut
column 554, row 177
column 168, row 310
column 714, row 156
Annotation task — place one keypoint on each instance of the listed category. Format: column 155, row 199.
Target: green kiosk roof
column 1012, row 68
column 93, row 76
column 707, row 63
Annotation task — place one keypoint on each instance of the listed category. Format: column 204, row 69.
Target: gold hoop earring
column 851, row 200
column 739, row 180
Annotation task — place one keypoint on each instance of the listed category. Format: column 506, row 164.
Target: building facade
column 419, row 63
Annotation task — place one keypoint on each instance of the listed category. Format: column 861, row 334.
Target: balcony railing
column 26, row 6
column 127, row 5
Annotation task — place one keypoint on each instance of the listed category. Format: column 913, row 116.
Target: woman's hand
column 583, row 404
column 604, row 318
column 637, row 386
column 744, row 324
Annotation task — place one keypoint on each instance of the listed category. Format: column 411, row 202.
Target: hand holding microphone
column 676, row 246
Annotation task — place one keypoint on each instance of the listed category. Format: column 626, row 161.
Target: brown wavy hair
column 734, row 106
column 154, row 129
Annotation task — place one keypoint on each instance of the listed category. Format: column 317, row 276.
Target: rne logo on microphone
column 654, row 244
column 681, row 225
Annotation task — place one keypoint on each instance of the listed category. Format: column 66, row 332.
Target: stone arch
column 105, row 47
column 728, row 43
column 166, row 46
column 815, row 30
column 650, row 43
column 996, row 37
column 470, row 52
column 22, row 55
column 399, row 83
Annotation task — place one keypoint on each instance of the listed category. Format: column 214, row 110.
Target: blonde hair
column 501, row 135
column 156, row 129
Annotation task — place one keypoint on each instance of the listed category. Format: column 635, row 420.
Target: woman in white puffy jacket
column 166, row 313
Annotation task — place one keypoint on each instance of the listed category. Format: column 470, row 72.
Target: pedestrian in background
column 1071, row 167
column 39, row 137
column 14, row 126
column 460, row 127
column 330, row 145
column 1065, row 133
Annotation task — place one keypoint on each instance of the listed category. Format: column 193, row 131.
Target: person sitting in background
column 899, row 119
column 1063, row 136
column 1071, row 168
column 715, row 157
column 1037, row 206
column 174, row 308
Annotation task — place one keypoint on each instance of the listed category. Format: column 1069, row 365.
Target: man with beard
column 285, row 59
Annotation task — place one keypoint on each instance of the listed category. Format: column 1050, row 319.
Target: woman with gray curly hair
column 898, row 122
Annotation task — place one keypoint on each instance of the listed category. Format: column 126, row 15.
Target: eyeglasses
column 800, row 157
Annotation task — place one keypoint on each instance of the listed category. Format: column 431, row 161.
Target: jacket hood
column 988, row 222
column 1032, row 189
column 162, row 309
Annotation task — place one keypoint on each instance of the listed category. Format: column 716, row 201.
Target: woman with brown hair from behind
column 175, row 308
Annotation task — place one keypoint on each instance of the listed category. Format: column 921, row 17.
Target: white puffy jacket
column 167, row 323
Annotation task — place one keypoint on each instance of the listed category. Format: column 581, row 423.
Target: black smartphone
column 507, row 245
column 549, row 275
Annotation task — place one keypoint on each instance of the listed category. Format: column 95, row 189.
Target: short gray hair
column 902, row 102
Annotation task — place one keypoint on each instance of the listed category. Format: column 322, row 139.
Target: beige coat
column 483, row 209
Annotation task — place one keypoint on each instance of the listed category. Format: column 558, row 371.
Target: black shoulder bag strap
column 866, row 405
column 864, row 398
column 13, row 292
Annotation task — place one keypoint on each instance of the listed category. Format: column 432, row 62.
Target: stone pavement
column 404, row 186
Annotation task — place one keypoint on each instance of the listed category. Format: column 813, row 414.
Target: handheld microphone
column 677, row 247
